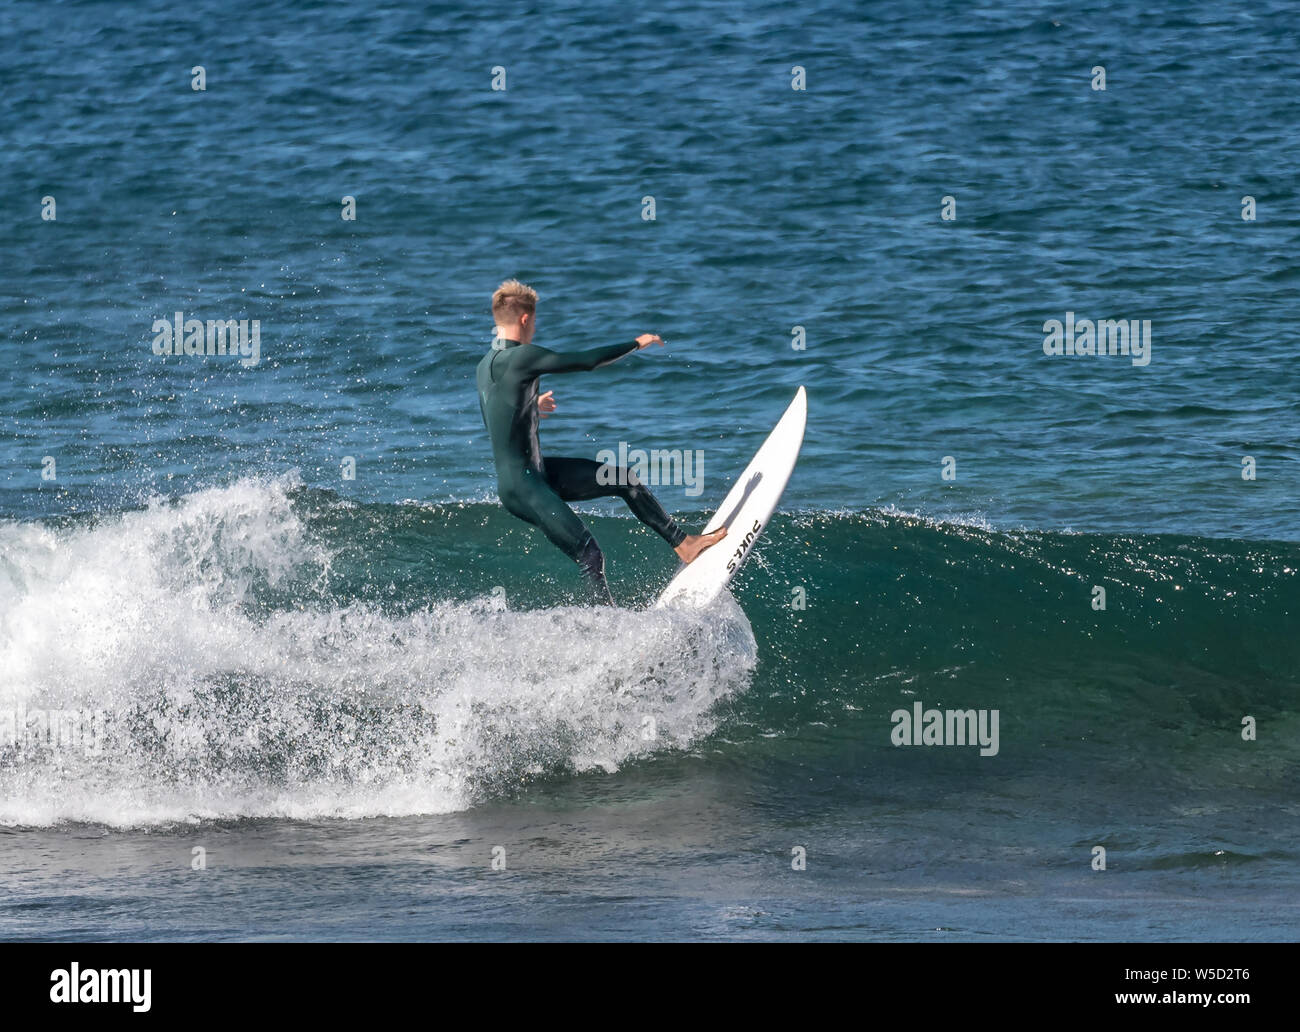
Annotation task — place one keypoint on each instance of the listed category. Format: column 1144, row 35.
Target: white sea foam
column 218, row 706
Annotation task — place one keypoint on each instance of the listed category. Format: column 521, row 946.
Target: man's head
column 514, row 310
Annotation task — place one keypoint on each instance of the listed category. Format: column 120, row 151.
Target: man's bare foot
column 693, row 544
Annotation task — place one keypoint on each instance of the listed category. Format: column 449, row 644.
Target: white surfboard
column 744, row 512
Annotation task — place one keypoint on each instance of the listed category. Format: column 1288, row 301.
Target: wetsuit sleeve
column 539, row 360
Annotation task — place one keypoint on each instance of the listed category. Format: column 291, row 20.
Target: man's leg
column 534, row 501
column 579, row 480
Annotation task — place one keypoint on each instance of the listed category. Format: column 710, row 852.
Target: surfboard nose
column 749, row 504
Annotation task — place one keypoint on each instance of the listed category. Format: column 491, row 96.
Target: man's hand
column 546, row 403
column 646, row 339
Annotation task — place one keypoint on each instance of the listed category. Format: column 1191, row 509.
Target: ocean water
column 291, row 703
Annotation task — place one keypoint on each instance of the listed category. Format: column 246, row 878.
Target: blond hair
column 511, row 300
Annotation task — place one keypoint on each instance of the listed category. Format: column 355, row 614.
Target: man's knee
column 633, row 488
column 517, row 507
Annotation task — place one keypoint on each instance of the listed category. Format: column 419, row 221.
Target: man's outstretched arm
column 542, row 360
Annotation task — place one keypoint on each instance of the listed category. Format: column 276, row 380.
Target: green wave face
column 294, row 654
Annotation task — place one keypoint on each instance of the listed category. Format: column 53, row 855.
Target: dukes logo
column 739, row 553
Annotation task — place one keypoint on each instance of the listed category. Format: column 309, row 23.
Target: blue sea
column 276, row 664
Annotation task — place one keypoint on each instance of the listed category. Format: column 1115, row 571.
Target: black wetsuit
column 534, row 488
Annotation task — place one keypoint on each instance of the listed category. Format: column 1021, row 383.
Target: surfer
column 535, row 488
